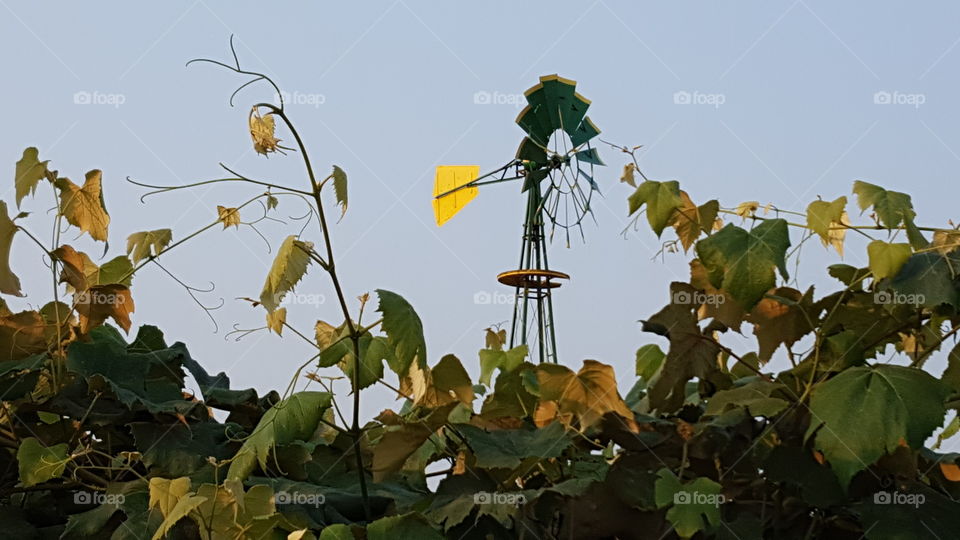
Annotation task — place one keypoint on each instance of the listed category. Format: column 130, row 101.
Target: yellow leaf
column 288, row 268
column 326, row 334
column 587, row 394
column 276, row 320
column 101, row 301
column 74, row 271
column 261, row 130
column 83, row 207
column 29, row 172
column 228, row 216
column 147, row 244
column 627, row 176
column 837, row 234
column 9, row 283
column 164, row 493
column 747, row 209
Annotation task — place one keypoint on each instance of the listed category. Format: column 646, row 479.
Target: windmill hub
column 555, row 114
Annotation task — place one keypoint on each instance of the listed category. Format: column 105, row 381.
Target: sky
column 770, row 101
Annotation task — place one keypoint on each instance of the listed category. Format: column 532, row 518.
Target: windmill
column 555, row 163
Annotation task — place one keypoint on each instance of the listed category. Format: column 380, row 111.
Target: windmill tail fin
column 449, row 193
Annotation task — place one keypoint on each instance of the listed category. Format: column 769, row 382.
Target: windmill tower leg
column 533, row 306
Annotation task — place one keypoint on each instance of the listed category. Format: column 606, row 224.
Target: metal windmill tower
column 555, row 161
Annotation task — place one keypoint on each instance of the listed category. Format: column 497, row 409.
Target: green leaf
column 891, row 207
column 754, row 396
column 506, row 361
column 30, row 170
column 410, row 525
column 743, row 263
column 288, row 269
column 507, row 448
column 87, row 524
column 337, row 531
column 927, row 279
column 9, row 283
column 39, row 463
column 404, row 331
column 340, row 189
column 449, row 376
column 373, row 351
column 694, row 506
column 294, row 418
column 649, row 360
column 887, row 259
column 147, row 244
column 661, row 199
column 863, row 413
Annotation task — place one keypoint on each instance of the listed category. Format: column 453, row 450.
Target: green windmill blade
column 584, row 132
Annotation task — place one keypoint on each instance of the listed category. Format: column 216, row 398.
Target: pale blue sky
column 798, row 119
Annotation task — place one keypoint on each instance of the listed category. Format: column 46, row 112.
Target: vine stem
column 331, row 270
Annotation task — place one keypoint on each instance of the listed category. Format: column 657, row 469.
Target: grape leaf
column 649, row 360
column 506, row 361
column 410, row 525
column 340, row 189
column 289, row 267
column 863, row 413
column 9, row 283
column 228, row 216
column 507, row 448
column 165, row 492
column 147, row 244
column 83, row 207
column 587, row 395
column 822, row 215
column 39, row 462
column 783, row 317
column 891, row 207
column 276, row 319
column 742, row 262
column 694, row 506
column 661, row 199
column 404, row 331
column 886, row 259
column 690, row 220
column 29, row 171
column 262, row 132
column 95, row 304
column 294, row 418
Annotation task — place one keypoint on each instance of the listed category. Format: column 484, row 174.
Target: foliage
column 102, row 439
